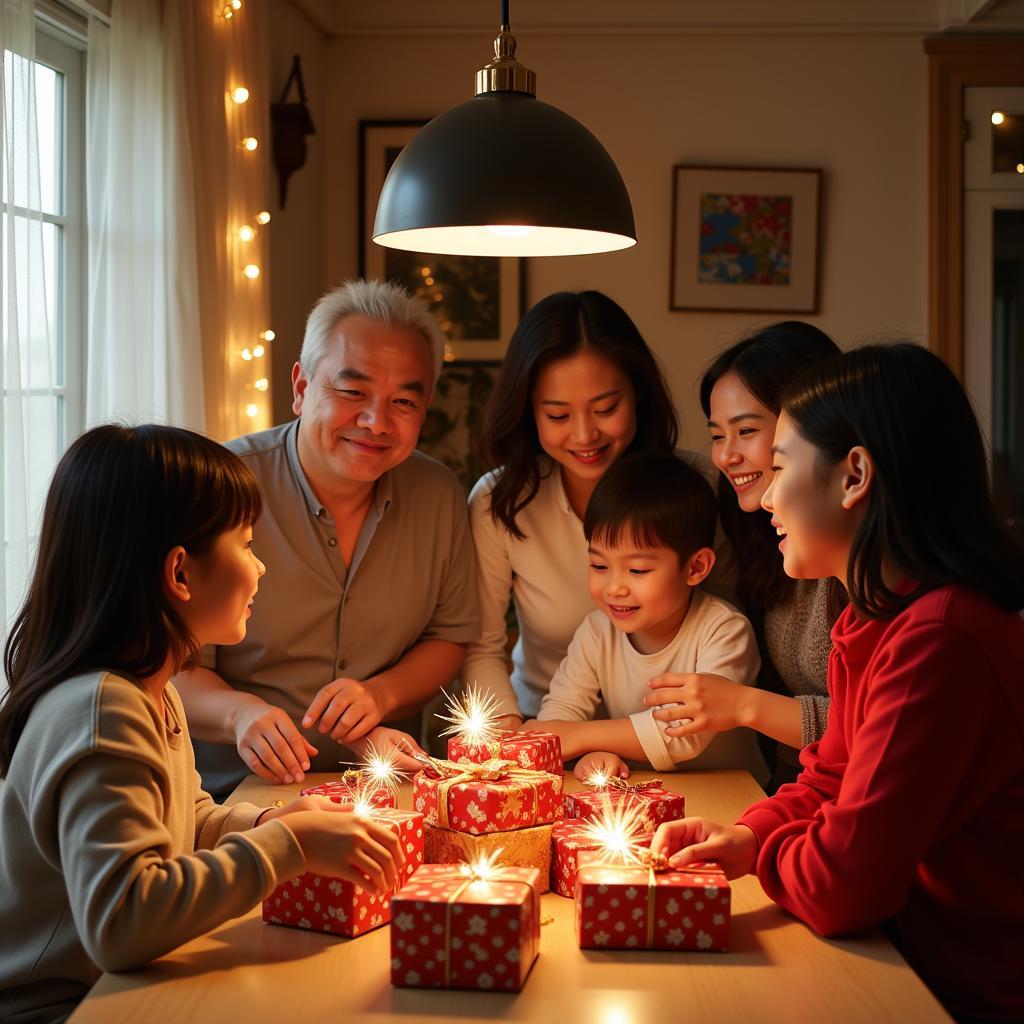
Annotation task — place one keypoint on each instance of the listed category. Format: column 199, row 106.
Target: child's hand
column 711, row 703
column 695, row 839
column 387, row 741
column 608, row 764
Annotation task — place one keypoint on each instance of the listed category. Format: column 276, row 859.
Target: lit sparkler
column 482, row 869
column 379, row 766
column 473, row 716
column 616, row 831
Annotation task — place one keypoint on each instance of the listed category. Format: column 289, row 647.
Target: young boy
column 650, row 526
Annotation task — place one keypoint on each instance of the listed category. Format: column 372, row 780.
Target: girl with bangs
column 112, row 854
column 909, row 812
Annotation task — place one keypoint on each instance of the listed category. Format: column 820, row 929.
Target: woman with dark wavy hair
column 909, row 813
column 112, row 854
column 578, row 389
column 741, row 393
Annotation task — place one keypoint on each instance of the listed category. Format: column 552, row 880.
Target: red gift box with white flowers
column 654, row 803
column 640, row 907
column 570, row 838
column 322, row 904
column 352, row 786
column 451, row 929
column 495, row 796
column 541, row 751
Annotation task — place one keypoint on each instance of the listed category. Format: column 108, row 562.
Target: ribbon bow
column 623, row 786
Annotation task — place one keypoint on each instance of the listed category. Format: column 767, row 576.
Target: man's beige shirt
column 412, row 578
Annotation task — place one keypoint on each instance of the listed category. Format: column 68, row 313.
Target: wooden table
column 778, row 970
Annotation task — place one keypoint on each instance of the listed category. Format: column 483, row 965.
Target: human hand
column 601, row 762
column 532, row 725
column 690, row 840
column 349, row 846
column 711, row 703
column 346, row 708
column 311, row 802
column 391, row 743
column 270, row 744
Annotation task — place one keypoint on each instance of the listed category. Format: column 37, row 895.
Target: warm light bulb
column 511, row 230
column 249, row 143
column 252, row 410
column 246, row 233
column 268, row 335
column 258, row 351
column 227, row 14
column 262, row 384
column 240, row 94
column 236, row 5
column 246, row 354
column 263, row 217
column 1020, row 168
column 998, row 117
column 251, row 271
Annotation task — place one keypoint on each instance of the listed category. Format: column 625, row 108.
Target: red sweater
column 910, row 809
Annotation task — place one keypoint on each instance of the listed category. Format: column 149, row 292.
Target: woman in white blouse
column 578, row 388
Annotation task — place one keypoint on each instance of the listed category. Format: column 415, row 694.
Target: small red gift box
column 541, row 751
column 353, row 785
column 638, row 907
column 450, row 930
column 322, row 904
column 655, row 803
column 570, row 838
column 492, row 797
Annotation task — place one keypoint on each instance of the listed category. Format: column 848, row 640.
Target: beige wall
column 852, row 104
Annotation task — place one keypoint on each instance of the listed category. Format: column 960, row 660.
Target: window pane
column 42, row 447
column 31, row 300
column 36, row 186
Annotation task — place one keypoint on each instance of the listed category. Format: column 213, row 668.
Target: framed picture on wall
column 478, row 300
column 745, row 239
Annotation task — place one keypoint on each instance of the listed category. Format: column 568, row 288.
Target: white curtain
column 144, row 351
column 27, row 268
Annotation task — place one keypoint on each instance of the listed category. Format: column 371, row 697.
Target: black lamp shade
column 504, row 175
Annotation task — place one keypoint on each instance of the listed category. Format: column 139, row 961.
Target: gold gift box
column 522, row 848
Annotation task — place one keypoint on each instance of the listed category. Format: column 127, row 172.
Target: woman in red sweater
column 909, row 812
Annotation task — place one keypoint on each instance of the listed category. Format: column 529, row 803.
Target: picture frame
column 478, row 299
column 745, row 239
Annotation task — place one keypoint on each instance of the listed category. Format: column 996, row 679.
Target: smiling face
column 362, row 411
column 585, row 411
column 741, row 431
column 223, row 585
column 811, row 508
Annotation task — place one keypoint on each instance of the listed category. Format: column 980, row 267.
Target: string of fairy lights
column 253, row 356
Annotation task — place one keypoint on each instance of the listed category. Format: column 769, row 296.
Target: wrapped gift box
column 655, row 803
column 570, row 838
column 322, row 904
column 523, row 848
column 451, row 931
column 490, row 797
column 638, row 907
column 541, row 751
column 351, row 785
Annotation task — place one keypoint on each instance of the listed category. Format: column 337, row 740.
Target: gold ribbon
column 656, row 863
column 637, row 788
column 495, row 770
column 453, row 899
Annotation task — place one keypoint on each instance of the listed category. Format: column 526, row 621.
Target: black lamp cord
column 504, row 12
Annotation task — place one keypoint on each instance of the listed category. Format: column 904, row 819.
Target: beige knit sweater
column 111, row 853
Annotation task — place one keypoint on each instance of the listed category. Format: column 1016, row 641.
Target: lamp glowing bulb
column 262, row 384
column 263, row 217
column 246, row 233
column 227, row 14
column 251, row 410
column 240, row 94
column 236, row 5
column 998, row 117
column 268, row 335
column 250, row 143
column 511, row 230
column 246, row 354
column 258, row 351
column 473, row 716
column 251, row 271
column 1020, row 168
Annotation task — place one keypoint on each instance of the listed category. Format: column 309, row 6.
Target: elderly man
column 370, row 592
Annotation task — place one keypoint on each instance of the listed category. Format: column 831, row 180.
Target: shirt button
column 319, row 513
column 332, row 541
column 343, row 663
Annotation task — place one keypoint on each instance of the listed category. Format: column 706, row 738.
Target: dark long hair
column 555, row 329
column 930, row 510
column 767, row 363
column 121, row 498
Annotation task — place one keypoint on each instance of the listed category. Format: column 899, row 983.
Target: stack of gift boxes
column 490, row 831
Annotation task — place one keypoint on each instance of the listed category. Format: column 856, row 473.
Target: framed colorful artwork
column 745, row 239
column 478, row 300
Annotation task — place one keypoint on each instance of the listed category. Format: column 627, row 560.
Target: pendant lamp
column 504, row 175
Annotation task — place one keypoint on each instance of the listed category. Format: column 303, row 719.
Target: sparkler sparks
column 484, row 867
column 473, row 716
column 379, row 766
column 616, row 829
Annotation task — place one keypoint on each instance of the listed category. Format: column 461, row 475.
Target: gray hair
column 384, row 301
